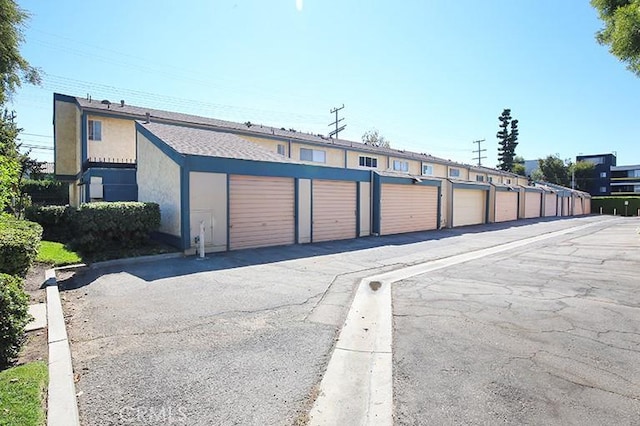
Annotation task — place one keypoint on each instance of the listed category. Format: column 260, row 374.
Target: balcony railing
column 108, row 162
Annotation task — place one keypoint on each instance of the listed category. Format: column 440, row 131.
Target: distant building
column 602, row 172
column 625, row 180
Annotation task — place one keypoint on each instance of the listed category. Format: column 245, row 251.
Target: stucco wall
column 159, row 182
column 208, row 204
column 67, row 138
column 270, row 144
column 334, row 156
column 353, row 160
column 118, row 140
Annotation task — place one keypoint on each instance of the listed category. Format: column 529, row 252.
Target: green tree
column 374, row 138
column 621, row 30
column 518, row 165
column 584, row 175
column 10, row 167
column 554, row 170
column 14, row 69
column 507, row 140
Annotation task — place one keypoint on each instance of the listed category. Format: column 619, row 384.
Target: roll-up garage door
column 468, row 206
column 261, row 211
column 565, row 205
column 408, row 208
column 334, row 210
column 550, row 205
column 506, row 206
column 577, row 210
column 532, row 204
column 587, row 206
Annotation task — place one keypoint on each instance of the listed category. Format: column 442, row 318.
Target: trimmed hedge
column 56, row 221
column 47, row 191
column 19, row 243
column 121, row 224
column 99, row 226
column 14, row 316
column 608, row 204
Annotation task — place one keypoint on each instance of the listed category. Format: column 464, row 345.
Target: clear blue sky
column 431, row 76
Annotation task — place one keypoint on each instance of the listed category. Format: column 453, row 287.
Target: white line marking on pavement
column 357, row 387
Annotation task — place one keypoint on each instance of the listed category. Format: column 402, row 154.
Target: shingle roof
column 194, row 141
column 258, row 129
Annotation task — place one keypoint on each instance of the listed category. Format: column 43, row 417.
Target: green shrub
column 57, row 221
column 14, row 315
column 608, row 204
column 99, row 226
column 47, row 191
column 19, row 243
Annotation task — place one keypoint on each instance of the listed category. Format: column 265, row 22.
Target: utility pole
column 479, row 151
column 338, row 128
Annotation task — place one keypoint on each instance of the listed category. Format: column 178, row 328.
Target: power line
column 479, row 151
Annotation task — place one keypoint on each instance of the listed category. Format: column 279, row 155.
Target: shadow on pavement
column 156, row 270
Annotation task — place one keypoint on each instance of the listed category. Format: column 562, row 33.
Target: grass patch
column 57, row 254
column 22, row 391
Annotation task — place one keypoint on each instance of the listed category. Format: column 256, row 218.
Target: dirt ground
column 35, row 347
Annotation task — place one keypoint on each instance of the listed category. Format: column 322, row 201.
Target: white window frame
column 281, row 149
column 427, row 170
column 400, row 166
column 454, row 172
column 508, row 181
column 490, row 179
column 91, row 130
column 479, row 178
column 313, row 155
column 366, row 161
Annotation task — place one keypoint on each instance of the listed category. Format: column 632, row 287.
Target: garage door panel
column 532, row 204
column 408, row 208
column 261, row 211
column 468, row 206
column 334, row 210
column 506, row 206
column 550, row 205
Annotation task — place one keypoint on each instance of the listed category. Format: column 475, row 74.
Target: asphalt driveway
column 548, row 334
column 244, row 337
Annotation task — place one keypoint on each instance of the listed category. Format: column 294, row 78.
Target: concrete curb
column 357, row 386
column 62, row 404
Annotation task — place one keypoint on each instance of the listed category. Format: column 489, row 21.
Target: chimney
column 121, row 102
column 148, row 118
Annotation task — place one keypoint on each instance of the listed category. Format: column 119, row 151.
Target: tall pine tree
column 507, row 140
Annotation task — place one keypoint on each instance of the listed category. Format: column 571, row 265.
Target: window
column 508, row 181
column 479, row 178
column 454, row 172
column 635, row 173
column 313, row 155
column 281, row 150
column 603, row 189
column 401, row 166
column 95, row 130
column 490, row 178
column 368, row 161
column 603, row 174
column 427, row 170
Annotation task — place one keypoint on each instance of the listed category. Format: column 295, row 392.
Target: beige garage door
column 565, row 206
column 550, row 205
column 468, row 206
column 408, row 208
column 577, row 210
column 334, row 210
column 506, row 206
column 587, row 206
column 261, row 211
column 532, row 204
